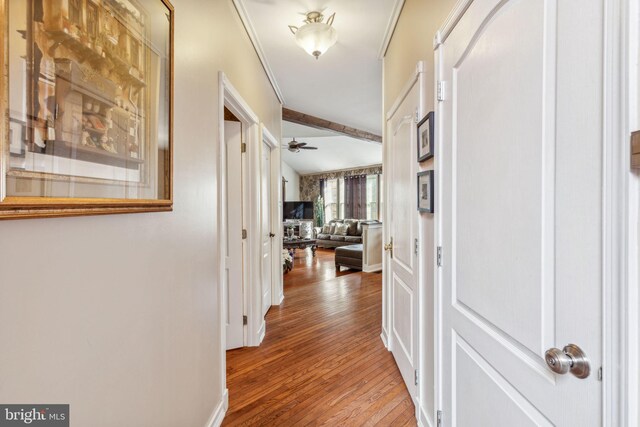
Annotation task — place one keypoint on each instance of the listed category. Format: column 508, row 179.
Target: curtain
column 355, row 197
column 322, row 180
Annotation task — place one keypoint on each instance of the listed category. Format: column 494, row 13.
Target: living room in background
column 331, row 185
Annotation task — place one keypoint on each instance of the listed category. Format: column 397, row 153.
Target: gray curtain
column 355, row 197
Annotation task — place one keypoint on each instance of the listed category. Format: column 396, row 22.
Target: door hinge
column 243, row 147
column 440, row 90
column 244, row 234
column 415, row 249
column 600, row 374
column 439, row 419
column 244, row 320
column 439, row 257
column 417, row 117
column 416, row 377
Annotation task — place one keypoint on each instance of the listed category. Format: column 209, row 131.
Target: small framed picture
column 425, row 191
column 425, row 138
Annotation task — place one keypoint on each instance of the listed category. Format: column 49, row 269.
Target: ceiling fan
column 295, row 146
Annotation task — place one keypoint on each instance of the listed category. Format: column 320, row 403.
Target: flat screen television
column 297, row 210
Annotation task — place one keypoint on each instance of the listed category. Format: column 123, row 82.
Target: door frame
column 620, row 295
column 277, row 291
column 229, row 97
column 416, row 78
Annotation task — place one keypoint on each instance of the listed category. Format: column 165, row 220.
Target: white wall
column 293, row 183
column 412, row 42
column 117, row 315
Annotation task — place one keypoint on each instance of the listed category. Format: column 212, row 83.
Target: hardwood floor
column 322, row 361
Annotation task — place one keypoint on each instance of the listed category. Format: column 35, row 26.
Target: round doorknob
column 570, row 359
column 559, row 362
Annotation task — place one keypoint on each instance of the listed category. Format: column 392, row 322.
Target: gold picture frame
column 91, row 84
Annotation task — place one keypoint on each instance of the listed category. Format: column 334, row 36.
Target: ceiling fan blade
column 301, row 144
column 308, row 148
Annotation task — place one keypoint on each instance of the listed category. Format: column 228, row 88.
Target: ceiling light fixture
column 315, row 36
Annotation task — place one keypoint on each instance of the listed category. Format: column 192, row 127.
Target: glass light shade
column 316, row 38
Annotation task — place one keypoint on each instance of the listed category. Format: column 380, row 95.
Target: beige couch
column 330, row 236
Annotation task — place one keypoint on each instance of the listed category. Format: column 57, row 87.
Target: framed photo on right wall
column 425, row 138
column 425, row 191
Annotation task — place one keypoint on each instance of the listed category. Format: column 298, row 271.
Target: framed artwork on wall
column 425, row 191
column 425, row 137
column 87, row 97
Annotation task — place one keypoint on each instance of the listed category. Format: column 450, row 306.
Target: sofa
column 341, row 232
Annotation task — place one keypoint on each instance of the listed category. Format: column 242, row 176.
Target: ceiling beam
column 318, row 123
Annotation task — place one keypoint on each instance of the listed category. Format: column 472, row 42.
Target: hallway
column 322, row 360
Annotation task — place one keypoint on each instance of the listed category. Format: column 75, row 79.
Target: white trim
column 420, row 66
column 618, row 345
column 385, row 340
column 262, row 331
column 631, row 385
column 229, row 97
column 253, row 37
column 276, row 215
column 391, row 27
column 452, row 20
column 216, row 417
column 423, row 420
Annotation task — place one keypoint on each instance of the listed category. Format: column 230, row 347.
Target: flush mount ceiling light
column 315, row 37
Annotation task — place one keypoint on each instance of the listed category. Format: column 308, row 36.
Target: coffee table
column 293, row 244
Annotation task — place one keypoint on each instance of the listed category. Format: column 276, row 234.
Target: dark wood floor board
column 322, row 361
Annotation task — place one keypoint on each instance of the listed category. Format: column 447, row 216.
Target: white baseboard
column 423, row 421
column 215, row 420
column 385, row 340
column 281, row 298
column 262, row 331
column 372, row 268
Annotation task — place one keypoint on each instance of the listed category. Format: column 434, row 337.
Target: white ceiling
column 294, row 130
column 345, row 84
column 333, row 153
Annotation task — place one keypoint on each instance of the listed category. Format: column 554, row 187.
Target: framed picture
column 87, row 97
column 425, row 138
column 425, row 191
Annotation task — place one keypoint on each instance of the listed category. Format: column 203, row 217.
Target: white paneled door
column 233, row 230
column 401, row 277
column 520, row 191
column 267, row 233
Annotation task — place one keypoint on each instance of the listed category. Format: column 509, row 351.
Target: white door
column 400, row 171
column 267, row 232
column 520, row 191
column 234, row 250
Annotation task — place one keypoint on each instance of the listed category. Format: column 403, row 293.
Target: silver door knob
column 569, row 359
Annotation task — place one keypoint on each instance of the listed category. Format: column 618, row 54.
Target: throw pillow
column 326, row 229
column 353, row 226
column 342, row 229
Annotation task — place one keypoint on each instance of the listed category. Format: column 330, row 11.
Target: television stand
column 301, row 228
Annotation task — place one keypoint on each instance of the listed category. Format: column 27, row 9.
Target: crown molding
column 251, row 32
column 391, row 26
column 452, row 20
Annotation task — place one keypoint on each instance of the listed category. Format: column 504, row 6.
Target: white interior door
column 267, row 233
column 521, row 208
column 400, row 171
column 234, row 250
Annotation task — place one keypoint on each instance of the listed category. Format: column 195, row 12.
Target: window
column 341, row 197
column 334, row 198
column 372, row 197
column 330, row 200
column 381, row 192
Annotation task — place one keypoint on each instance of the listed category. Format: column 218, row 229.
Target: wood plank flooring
column 322, row 361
